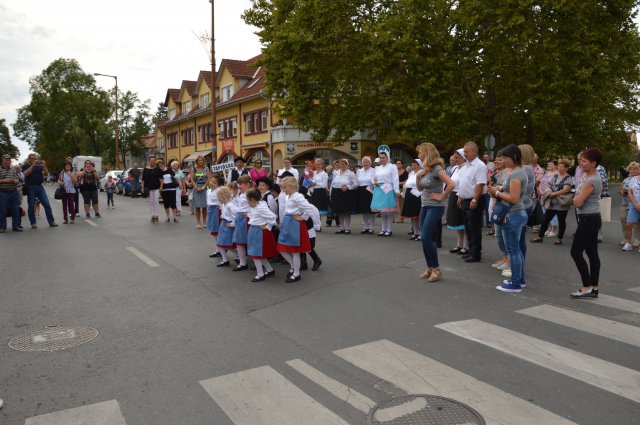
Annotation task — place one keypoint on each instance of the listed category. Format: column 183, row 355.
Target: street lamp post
column 117, row 145
column 214, row 124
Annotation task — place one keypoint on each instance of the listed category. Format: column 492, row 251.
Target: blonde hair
column 224, row 194
column 233, row 187
column 199, row 157
column 633, row 164
column 527, row 153
column 367, row 159
column 175, row 164
column 431, row 154
column 565, row 162
column 289, row 182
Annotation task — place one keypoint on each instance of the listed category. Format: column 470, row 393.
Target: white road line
column 586, row 323
column 338, row 389
column 634, row 289
column 105, row 413
column 148, row 261
column 608, row 376
column 262, row 396
column 91, row 223
column 417, row 374
column 615, row 302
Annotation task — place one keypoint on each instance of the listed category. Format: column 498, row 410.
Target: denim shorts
column 633, row 216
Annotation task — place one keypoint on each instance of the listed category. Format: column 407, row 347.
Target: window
column 187, row 106
column 234, row 127
column 249, row 124
column 187, row 137
column 256, row 123
column 263, row 120
column 173, row 140
column 204, row 100
column 227, row 92
column 206, row 133
column 221, row 130
column 172, row 113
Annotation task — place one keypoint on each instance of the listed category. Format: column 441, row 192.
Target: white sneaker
column 503, row 266
column 627, row 247
column 1, row 403
column 552, row 234
column 506, row 273
column 497, row 264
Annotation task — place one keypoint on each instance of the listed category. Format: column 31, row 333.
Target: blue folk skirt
column 213, row 219
column 261, row 243
column 240, row 233
column 384, row 202
column 294, row 236
column 225, row 236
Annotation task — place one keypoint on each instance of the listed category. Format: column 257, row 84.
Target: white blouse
column 212, row 197
column 411, row 181
column 295, row 204
column 455, row 176
column 229, row 213
column 388, row 174
column 317, row 223
column 261, row 215
column 291, row 170
column 241, row 203
column 365, row 177
column 342, row 179
column 321, row 179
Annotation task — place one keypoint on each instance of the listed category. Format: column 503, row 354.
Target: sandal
column 167, row 220
column 537, row 240
column 175, row 220
column 426, row 274
column 558, row 242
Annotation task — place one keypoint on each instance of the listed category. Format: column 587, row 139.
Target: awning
column 195, row 155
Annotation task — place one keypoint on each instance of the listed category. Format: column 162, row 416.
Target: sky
column 149, row 44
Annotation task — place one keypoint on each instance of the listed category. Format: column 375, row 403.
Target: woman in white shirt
column 318, row 196
column 386, row 192
column 343, row 195
column 411, row 206
column 365, row 176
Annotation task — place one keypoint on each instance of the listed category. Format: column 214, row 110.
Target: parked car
column 115, row 174
column 123, row 185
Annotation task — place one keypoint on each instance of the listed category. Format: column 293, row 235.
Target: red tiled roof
column 206, row 76
column 238, row 68
column 189, row 86
column 253, row 86
column 174, row 94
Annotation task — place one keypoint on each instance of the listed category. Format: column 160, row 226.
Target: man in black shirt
column 9, row 198
column 134, row 173
column 34, row 173
column 240, row 170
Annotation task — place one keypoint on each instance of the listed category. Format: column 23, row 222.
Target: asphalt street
column 181, row 342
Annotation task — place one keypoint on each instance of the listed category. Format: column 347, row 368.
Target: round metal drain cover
column 52, row 338
column 422, row 409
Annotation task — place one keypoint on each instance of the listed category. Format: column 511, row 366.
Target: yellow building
column 246, row 123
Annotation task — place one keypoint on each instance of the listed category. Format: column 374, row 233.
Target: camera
column 38, row 162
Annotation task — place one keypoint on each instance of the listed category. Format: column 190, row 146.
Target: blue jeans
column 9, row 201
column 34, row 192
column 523, row 235
column 429, row 219
column 512, row 232
column 500, row 237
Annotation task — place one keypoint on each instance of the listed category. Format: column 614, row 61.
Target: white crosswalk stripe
column 615, row 302
column 634, row 289
column 585, row 323
column 418, row 374
column 608, row 376
column 262, row 396
column 105, row 413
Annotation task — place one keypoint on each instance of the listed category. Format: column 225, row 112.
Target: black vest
column 235, row 175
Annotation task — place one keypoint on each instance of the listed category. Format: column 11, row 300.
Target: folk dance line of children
column 248, row 221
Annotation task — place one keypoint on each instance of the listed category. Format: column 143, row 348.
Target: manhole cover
column 423, row 409
column 52, row 338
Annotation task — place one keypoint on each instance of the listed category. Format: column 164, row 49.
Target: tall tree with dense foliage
column 558, row 74
column 65, row 113
column 6, row 147
column 134, row 121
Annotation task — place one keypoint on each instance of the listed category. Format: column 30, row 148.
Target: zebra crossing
column 264, row 396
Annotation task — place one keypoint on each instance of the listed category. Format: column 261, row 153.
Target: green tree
column 162, row 113
column 6, row 147
column 558, row 74
column 134, row 121
column 65, row 112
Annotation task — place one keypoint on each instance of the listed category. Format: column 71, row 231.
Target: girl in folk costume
column 386, row 191
column 242, row 213
column 213, row 210
column 294, row 237
column 365, row 176
column 318, row 196
column 224, row 240
column 411, row 206
column 261, row 245
column 343, row 195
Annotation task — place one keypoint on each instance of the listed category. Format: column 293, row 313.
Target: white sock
column 267, row 266
column 288, row 257
column 242, row 255
column 223, row 254
column 296, row 263
column 259, row 269
column 415, row 223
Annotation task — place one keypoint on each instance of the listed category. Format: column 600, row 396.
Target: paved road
column 183, row 343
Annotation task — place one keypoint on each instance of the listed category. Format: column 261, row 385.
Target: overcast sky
column 149, row 44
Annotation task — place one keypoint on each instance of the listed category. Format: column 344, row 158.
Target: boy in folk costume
column 213, row 210
column 261, row 245
column 294, row 237
column 242, row 213
column 224, row 241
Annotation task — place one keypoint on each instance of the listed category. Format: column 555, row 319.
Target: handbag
column 565, row 200
column 537, row 216
column 499, row 213
column 60, row 193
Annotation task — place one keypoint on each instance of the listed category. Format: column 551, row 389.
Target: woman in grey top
column 430, row 181
column 560, row 185
column 527, row 197
column 587, row 203
column 512, row 195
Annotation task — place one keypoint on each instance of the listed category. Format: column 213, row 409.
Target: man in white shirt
column 473, row 181
column 289, row 168
column 240, row 170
